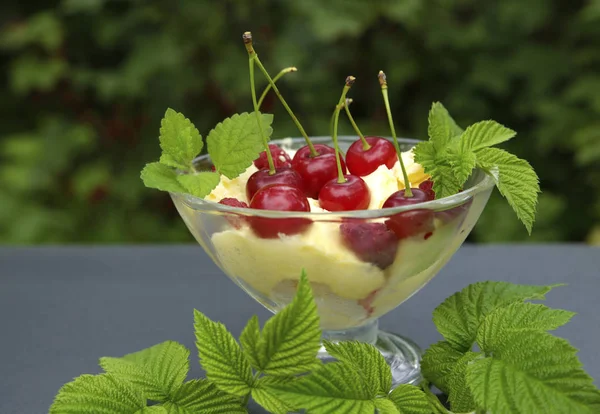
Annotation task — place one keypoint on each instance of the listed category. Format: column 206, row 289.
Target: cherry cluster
column 320, row 172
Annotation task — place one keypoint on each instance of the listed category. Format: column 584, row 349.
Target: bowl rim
column 195, row 203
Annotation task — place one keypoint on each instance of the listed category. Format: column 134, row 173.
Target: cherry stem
column 336, row 116
column 384, row 92
column 251, row 59
column 366, row 145
column 248, row 42
column 275, row 79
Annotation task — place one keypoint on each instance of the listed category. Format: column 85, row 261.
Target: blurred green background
column 85, row 82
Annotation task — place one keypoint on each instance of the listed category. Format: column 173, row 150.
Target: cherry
column 352, row 194
column 234, row 202
column 412, row 222
column 281, row 198
column 345, row 192
column 371, row 242
column 316, row 171
column 263, row 178
column 363, row 161
column 280, row 158
column 427, row 186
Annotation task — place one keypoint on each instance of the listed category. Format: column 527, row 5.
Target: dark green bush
column 87, row 82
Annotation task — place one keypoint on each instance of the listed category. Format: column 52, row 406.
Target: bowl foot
column 402, row 355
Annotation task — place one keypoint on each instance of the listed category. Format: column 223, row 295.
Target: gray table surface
column 61, row 308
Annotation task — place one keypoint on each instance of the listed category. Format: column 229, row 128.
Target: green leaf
column 155, row 409
column 179, row 139
column 516, row 180
column 235, row 142
column 532, row 372
column 520, row 316
column 202, row 396
column 442, row 128
column 462, row 161
column 249, row 341
column 161, row 177
column 221, row 356
column 263, row 394
column 484, row 134
column 365, row 359
column 156, row 371
column 444, row 179
column 290, row 339
column 459, row 316
column 333, row 388
column 459, row 394
column 386, row 406
column 97, row 394
column 200, row 184
column 410, row 400
column 438, row 363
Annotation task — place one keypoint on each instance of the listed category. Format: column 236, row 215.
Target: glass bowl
column 357, row 275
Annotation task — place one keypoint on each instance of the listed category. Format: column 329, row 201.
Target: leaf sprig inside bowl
column 497, row 356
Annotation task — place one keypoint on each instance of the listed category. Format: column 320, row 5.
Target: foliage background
column 84, row 84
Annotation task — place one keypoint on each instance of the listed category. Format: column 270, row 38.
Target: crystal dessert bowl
column 357, row 274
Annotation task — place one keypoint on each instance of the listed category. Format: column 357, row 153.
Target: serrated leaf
column 484, row 134
column 438, row 363
column 249, row 342
column 333, row 388
column 202, row 396
column 442, row 128
column 425, row 154
column 459, row 393
column 459, row 316
column 236, row 142
column 409, row 399
column 154, row 409
column 516, row 181
column 161, row 177
column 221, row 356
column 97, row 394
column 438, row 167
column 263, row 395
column 156, row 371
column 532, row 372
column 180, row 139
column 365, row 359
column 462, row 161
column 386, row 406
column 519, row 316
column 290, row 340
column 170, row 161
column 444, row 180
column 199, row 184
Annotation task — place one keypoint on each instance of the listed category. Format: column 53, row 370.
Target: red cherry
column 371, row 242
column 262, row 178
column 361, row 162
column 280, row 158
column 412, row 222
column 353, row 194
column 234, row 202
column 281, row 198
column 427, row 186
column 316, row 171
